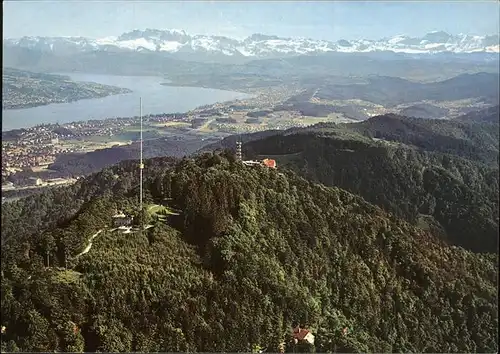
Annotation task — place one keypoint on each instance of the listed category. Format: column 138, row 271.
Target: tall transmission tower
column 239, row 156
column 141, row 167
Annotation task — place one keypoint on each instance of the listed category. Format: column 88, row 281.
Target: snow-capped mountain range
column 258, row 45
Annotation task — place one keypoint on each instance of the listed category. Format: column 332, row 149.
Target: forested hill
column 236, row 256
column 470, row 140
column 441, row 175
column 473, row 136
column 487, row 115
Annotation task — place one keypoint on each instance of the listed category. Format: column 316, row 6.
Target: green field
column 160, row 210
column 106, row 139
column 311, row 120
column 136, row 128
column 171, row 125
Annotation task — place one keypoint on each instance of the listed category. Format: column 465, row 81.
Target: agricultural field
column 171, row 125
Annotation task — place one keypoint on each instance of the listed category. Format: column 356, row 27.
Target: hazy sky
column 321, row 20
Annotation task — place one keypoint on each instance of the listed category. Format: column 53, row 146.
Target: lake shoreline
column 157, row 99
column 189, row 85
column 34, row 105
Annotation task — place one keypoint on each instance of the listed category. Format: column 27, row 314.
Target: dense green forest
column 474, row 136
column 248, row 252
column 439, row 175
column 470, row 140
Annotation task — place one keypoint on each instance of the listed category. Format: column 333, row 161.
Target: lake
column 155, row 99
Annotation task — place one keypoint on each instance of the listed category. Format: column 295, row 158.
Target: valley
column 85, row 147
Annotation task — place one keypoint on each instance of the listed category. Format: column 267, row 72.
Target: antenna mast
column 141, row 165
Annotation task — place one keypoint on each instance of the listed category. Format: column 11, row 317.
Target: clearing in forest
column 160, row 210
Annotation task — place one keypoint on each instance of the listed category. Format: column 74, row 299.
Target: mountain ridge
column 439, row 173
column 259, row 45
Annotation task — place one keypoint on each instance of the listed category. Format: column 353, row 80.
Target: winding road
column 89, row 246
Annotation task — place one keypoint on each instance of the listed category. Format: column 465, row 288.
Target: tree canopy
column 249, row 252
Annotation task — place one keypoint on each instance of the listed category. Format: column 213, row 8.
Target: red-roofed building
column 302, row 335
column 269, row 163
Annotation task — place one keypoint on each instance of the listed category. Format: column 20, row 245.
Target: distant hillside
column 424, row 110
column 301, row 103
column 473, row 141
column 392, row 91
column 230, row 141
column 481, row 84
column 397, row 65
column 100, row 62
column 252, row 251
column 203, row 69
column 411, row 167
column 487, row 115
column 21, row 89
column 84, row 164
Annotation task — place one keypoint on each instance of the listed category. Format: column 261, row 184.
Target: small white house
column 121, row 219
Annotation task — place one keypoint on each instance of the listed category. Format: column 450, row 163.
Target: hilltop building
column 120, row 219
column 270, row 163
column 266, row 163
column 252, row 163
